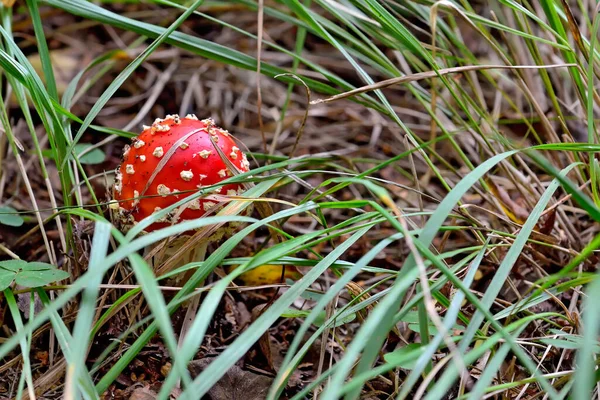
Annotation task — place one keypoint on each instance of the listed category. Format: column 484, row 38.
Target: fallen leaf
column 65, row 65
column 165, row 369
column 143, row 393
column 513, row 210
column 42, row 357
column 24, row 303
column 267, row 275
column 236, row 384
column 547, row 225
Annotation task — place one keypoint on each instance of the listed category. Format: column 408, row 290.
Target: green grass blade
column 292, row 358
column 511, row 257
column 211, row 262
column 585, row 378
column 229, row 357
column 85, row 315
column 42, row 48
column 25, row 348
column 449, row 321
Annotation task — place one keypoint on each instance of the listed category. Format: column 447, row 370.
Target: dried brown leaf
column 236, row 384
column 512, row 209
column 143, row 393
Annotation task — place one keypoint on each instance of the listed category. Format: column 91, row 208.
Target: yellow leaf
column 267, row 275
column 65, row 65
column 512, row 209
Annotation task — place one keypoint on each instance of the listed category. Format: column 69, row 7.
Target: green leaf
column 8, row 271
column 309, row 295
column 33, row 274
column 405, row 357
column 6, row 278
column 412, row 319
column 9, row 217
column 291, row 313
column 320, row 319
column 12, row 265
column 40, row 278
column 95, row 156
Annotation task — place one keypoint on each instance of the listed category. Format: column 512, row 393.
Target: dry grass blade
column 572, row 23
column 304, row 117
column 259, row 42
column 432, row 74
column 50, row 378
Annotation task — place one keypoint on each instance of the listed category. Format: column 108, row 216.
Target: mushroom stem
column 157, row 255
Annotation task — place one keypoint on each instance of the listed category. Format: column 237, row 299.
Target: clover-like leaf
column 39, row 274
column 5, row 279
column 33, row 274
column 96, row 156
column 13, row 265
column 8, row 272
column 9, row 216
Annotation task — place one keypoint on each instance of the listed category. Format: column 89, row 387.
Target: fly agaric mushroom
column 172, row 156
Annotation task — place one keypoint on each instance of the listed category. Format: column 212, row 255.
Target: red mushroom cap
column 174, row 155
